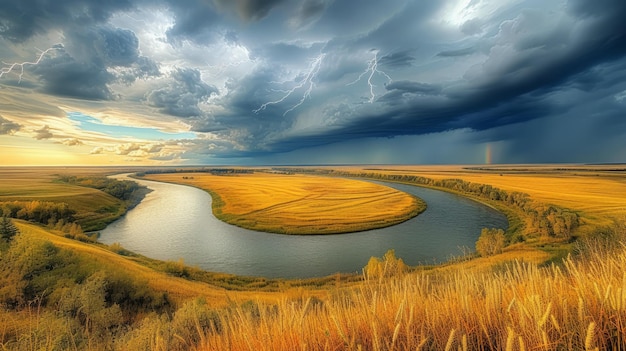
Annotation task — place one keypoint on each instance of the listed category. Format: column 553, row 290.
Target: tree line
column 61, row 216
column 126, row 190
column 213, row 171
column 544, row 220
column 43, row 212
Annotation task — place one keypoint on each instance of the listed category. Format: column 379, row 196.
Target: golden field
column 597, row 192
column 593, row 191
column 300, row 204
column 92, row 207
column 509, row 301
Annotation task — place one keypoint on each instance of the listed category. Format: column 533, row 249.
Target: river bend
column 176, row 221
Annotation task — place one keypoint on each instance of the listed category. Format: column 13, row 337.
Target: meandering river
column 176, row 221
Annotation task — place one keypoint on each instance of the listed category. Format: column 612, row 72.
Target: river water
column 176, row 221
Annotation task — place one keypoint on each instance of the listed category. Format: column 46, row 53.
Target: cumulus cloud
column 72, row 142
column 43, row 133
column 97, row 150
column 182, row 95
column 133, row 149
column 166, row 156
column 64, row 76
column 125, row 149
column 8, row 127
column 91, row 60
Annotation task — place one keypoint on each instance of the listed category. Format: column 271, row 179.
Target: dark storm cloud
column 309, row 11
column 285, row 53
column 243, row 123
column 143, row 68
column 414, row 87
column 457, row 52
column 472, row 27
column 406, row 28
column 182, row 95
column 514, row 85
column 120, row 46
column 195, row 20
column 64, row 76
column 8, row 127
column 349, row 18
column 389, row 68
column 25, row 18
column 85, row 67
column 397, row 59
column 249, row 10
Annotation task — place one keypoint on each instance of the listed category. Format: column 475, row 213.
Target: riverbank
column 59, row 196
column 300, row 205
column 176, row 221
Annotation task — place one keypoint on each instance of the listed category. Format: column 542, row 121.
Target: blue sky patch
column 92, row 124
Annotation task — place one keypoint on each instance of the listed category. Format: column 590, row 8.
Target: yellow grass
column 504, row 302
column 300, row 204
column 178, row 289
column 579, row 306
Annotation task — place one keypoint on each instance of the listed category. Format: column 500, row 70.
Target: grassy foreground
column 84, row 296
column 300, row 204
column 577, row 305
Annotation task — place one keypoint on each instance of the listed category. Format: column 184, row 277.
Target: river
column 176, row 221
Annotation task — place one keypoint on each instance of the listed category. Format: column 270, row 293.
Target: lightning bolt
column 372, row 68
column 221, row 68
column 9, row 67
column 307, row 81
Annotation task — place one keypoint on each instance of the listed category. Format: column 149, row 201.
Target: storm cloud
column 182, row 95
column 260, row 78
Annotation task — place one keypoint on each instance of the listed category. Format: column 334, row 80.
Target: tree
column 490, row 242
column 7, row 229
column 388, row 266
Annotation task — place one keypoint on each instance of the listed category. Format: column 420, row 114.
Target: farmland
column 93, row 209
column 58, row 293
column 296, row 204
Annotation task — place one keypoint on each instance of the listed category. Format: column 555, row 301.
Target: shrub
column 490, row 242
column 388, row 266
column 7, row 229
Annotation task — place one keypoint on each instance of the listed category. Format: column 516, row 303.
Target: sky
column 250, row 82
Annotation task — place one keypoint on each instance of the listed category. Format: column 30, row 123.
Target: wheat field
column 301, row 204
column 596, row 192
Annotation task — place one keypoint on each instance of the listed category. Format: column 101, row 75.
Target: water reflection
column 176, row 221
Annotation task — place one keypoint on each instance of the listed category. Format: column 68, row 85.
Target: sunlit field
column 598, row 192
column 93, row 208
column 297, row 204
column 57, row 293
